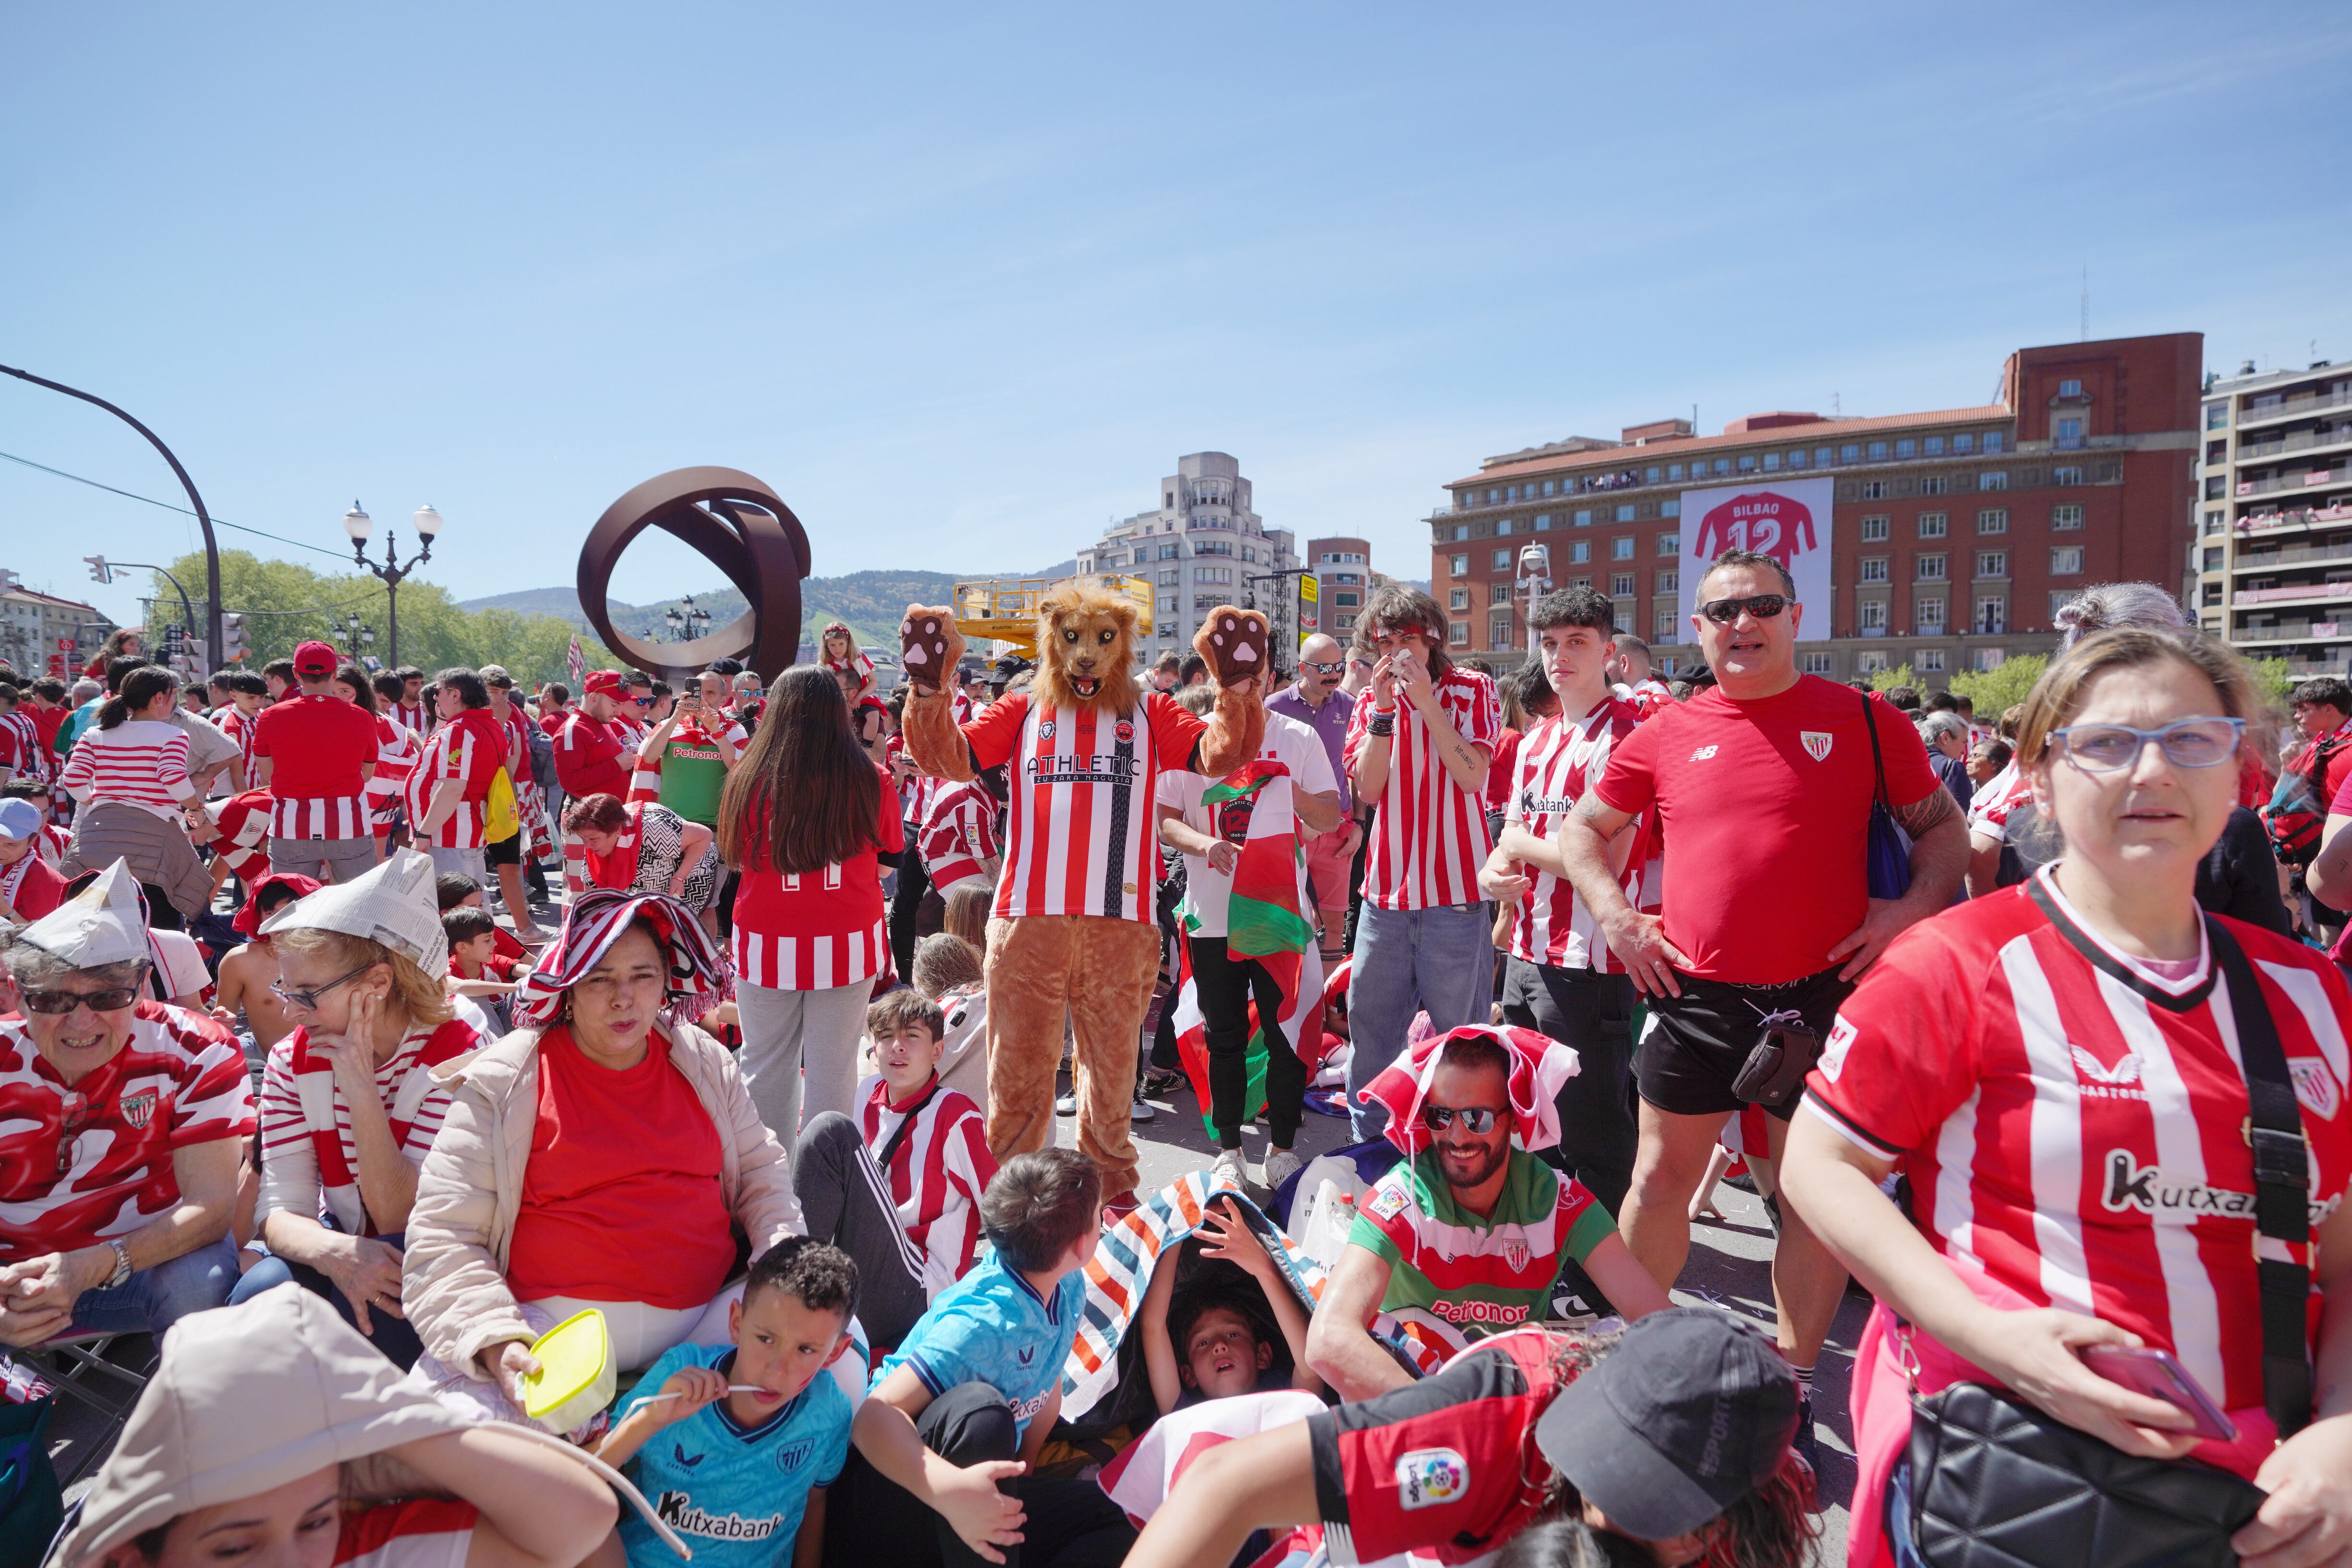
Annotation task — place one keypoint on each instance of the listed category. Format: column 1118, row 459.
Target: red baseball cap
column 314, row 659
column 604, row 680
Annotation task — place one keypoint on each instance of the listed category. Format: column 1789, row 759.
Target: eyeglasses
column 1763, row 607
column 67, row 1001
column 1334, row 667
column 309, row 1000
column 2189, row 743
column 1474, row 1119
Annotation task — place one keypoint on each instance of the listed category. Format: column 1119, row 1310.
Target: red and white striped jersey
column 21, row 751
column 2073, row 1123
column 1080, row 833
column 425, row 1534
column 471, row 747
column 1989, row 807
column 413, row 717
column 310, row 1158
column 140, row 761
column 92, row 1161
column 959, row 705
column 240, row 729
column 959, row 832
column 937, row 1174
column 813, row 931
column 243, row 823
column 397, row 753
column 1430, row 837
column 1559, row 758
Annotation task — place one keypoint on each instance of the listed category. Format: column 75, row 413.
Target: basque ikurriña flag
column 1264, row 921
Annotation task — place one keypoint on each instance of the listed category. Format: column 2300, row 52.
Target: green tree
column 1994, row 691
column 1888, row 679
column 2275, row 680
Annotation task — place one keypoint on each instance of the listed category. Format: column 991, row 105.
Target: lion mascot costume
column 1073, row 930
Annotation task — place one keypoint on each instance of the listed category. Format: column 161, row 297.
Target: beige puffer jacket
column 453, row 1275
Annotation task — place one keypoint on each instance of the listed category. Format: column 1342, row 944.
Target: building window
column 2212, row 558
column 1623, row 620
column 1499, row 592
column 1874, row 617
column 1551, row 487
column 2070, row 434
column 1667, row 631
column 1621, row 548
column 1619, row 584
column 2066, row 561
column 1723, row 465
column 2067, row 474
column 1502, row 561
column 1212, row 575
column 1994, row 441
column 1498, row 630
column 2070, row 389
column 1670, row 582
column 1502, row 525
column 1460, row 565
column 1874, row 568
column 1457, row 635
column 1963, row 444
column 1543, row 521
column 1650, row 474
column 1929, row 660
column 1670, row 544
column 2066, row 516
column 1934, row 525
column 1821, row 457
column 1797, row 459
column 2062, row 598
column 1817, row 664
column 1874, row 530
column 1580, row 551
column 1930, row 567
column 1674, row 470
column 1461, row 599
column 1992, row 562
column 1935, row 484
column 1671, row 508
column 1993, row 520
column 1625, row 513
column 1584, row 517
column 1869, row 663
column 1747, row 462
column 1494, row 496
column 1905, row 448
column 1174, row 551
column 1772, row 462
column 1348, row 600
column 1878, row 451
column 1933, row 446
column 1874, row 489
column 2213, row 523
column 1998, row 479
column 1992, row 621
column 1989, row 660
column 1581, row 583
column 1930, row 615
column 2217, row 416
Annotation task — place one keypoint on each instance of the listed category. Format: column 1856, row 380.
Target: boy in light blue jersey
column 736, row 1444
column 961, row 1411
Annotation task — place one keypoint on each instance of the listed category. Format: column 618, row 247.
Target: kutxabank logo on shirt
column 678, row 1510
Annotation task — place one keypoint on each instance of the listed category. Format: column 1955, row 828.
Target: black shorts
column 1696, row 1042
column 505, row 852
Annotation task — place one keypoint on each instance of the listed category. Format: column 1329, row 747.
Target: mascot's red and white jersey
column 1079, row 829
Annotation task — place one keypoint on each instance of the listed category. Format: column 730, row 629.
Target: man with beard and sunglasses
column 1762, row 790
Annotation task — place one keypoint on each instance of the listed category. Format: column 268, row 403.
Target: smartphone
column 2159, row 1375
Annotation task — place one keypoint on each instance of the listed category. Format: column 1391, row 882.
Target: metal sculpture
column 739, row 526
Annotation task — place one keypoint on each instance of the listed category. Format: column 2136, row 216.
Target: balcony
column 2294, row 555
column 2295, row 593
column 2310, row 479
column 2280, row 522
column 2300, row 441
column 2294, row 631
column 2294, row 406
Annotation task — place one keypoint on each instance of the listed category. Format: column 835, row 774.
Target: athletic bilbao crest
column 2315, row 1085
column 1429, row 1478
column 138, row 1108
column 1514, row 1256
column 1817, row 743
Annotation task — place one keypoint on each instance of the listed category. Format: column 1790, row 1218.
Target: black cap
column 1690, row 1413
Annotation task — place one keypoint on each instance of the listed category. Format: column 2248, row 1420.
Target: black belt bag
column 1988, row 1480
column 1776, row 1069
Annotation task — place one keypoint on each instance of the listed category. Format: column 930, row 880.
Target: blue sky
column 962, row 283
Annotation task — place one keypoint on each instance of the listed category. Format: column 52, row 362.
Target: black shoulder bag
column 1993, row 1481
column 1889, row 853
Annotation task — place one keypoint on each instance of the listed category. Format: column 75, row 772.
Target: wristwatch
column 121, row 1264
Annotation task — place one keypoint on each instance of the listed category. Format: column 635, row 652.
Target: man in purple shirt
column 1314, row 702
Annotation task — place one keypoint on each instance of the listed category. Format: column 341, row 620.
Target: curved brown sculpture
column 741, row 527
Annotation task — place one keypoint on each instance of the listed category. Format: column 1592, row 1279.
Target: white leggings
column 641, row 1333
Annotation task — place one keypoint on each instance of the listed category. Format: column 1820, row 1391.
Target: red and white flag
column 576, row 661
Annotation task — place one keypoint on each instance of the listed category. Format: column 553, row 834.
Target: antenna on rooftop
column 1835, row 411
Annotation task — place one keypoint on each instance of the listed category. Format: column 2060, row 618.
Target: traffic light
column 232, row 637
column 98, row 572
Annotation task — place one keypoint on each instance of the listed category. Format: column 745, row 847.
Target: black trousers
column 914, row 881
column 1225, row 985
column 870, row 1519
column 1591, row 1013
column 845, row 1200
column 1371, row 819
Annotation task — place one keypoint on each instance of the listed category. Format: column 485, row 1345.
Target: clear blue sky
column 962, row 282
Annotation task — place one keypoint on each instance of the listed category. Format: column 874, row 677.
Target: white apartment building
column 38, row 631
column 1199, row 549
column 2272, row 562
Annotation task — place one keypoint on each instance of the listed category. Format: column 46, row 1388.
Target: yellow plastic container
column 576, row 1377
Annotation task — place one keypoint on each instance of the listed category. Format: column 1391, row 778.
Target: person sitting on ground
column 603, row 1155
column 959, row 1413
column 51, row 844
column 752, row 1431
column 250, row 970
column 122, row 1122
column 1672, row 1436
column 644, row 847
column 454, row 889
column 948, row 970
column 1465, row 1237
column 271, row 1430
column 1204, row 1345
column 475, row 966
column 923, row 1144
column 349, row 1100
column 29, row 886
column 966, row 913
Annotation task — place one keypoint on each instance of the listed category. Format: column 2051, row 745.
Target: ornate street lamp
column 357, row 524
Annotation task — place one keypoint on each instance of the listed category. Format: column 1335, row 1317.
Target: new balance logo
column 1702, row 753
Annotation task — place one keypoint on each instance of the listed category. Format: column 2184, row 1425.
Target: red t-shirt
column 1764, row 808
column 31, row 886
column 816, row 929
column 316, row 746
column 620, row 1198
column 589, row 760
column 2073, row 1123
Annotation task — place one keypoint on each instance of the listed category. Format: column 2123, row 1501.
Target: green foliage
column 284, row 603
column 1994, row 691
column 1888, row 679
column 2275, row 680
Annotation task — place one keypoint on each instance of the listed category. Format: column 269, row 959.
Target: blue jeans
column 152, row 1300
column 393, row 1336
column 1408, row 960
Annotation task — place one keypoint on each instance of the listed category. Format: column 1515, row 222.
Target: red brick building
column 1955, row 533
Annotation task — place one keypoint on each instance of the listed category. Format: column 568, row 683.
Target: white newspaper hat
column 392, row 904
column 106, row 923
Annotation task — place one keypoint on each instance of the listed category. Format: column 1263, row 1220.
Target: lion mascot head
column 1086, row 649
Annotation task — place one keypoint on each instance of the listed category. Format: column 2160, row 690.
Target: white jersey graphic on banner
column 1789, row 521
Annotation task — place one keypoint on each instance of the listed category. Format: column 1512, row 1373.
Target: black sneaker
column 1808, row 1447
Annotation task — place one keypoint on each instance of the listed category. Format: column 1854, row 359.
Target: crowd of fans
column 2031, row 1024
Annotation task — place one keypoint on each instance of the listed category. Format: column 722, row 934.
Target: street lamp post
column 1535, row 582
column 357, row 524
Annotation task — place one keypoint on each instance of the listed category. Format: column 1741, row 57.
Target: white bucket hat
column 392, row 904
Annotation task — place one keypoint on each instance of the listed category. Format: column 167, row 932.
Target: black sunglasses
column 1763, row 607
column 1320, row 668
column 67, row 1001
column 1474, row 1119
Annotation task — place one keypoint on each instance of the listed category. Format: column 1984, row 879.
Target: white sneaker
column 1067, row 1105
column 1141, row 1111
column 1281, row 1164
column 1231, row 1169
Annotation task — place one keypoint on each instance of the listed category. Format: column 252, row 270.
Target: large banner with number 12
column 1787, row 520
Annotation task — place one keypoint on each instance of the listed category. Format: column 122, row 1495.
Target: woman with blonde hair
column 967, row 913
column 349, row 1105
column 2073, row 1075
